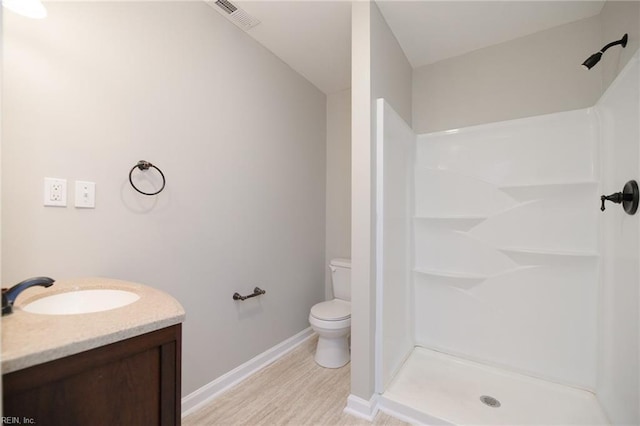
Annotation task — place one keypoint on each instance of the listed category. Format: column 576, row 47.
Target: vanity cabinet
column 131, row 382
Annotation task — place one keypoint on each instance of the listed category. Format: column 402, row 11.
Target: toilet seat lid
column 332, row 310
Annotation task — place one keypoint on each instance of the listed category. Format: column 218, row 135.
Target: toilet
column 332, row 319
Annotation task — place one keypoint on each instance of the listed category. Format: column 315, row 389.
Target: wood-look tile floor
column 292, row 391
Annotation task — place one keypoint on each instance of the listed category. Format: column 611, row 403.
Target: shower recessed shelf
column 547, row 252
column 461, row 280
column 530, row 191
column 450, row 274
column 459, row 222
column 531, row 256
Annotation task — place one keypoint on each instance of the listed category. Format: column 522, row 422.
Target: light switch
column 85, row 194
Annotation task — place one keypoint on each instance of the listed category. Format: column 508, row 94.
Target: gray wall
column 379, row 70
column 528, row 76
column 616, row 19
column 338, row 201
column 240, row 136
column 391, row 72
column 533, row 75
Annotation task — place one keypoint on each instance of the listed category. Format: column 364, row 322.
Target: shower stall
column 504, row 294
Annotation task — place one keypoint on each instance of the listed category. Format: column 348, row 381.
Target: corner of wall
column 616, row 19
column 362, row 381
column 338, row 181
column 391, row 72
column 380, row 69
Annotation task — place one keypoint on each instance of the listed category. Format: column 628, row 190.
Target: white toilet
column 332, row 319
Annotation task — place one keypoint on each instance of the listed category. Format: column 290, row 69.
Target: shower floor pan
column 434, row 388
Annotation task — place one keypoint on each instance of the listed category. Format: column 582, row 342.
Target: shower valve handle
column 614, row 198
column 629, row 197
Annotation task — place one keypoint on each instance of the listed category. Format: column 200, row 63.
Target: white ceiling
column 314, row 37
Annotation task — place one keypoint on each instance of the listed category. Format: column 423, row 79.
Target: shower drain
column 490, row 401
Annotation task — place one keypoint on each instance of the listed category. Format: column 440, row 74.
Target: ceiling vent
column 233, row 13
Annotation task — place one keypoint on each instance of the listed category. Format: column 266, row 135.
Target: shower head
column 595, row 58
column 591, row 61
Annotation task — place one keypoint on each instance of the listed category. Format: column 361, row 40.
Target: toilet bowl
column 332, row 319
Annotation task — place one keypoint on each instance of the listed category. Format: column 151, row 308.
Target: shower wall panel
column 619, row 378
column 395, row 153
column 505, row 245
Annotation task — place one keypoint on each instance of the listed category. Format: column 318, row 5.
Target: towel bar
column 256, row 292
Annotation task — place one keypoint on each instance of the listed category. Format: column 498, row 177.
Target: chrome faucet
column 9, row 295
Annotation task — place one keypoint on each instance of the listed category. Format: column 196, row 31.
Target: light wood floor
column 292, row 391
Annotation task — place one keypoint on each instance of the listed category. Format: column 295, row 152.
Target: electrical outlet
column 55, row 192
column 85, row 194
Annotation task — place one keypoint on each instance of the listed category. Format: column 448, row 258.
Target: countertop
column 29, row 339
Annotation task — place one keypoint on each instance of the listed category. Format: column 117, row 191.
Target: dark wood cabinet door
column 131, row 382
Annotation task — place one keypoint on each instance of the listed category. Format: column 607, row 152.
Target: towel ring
column 144, row 166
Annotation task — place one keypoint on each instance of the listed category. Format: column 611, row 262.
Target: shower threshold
column 435, row 388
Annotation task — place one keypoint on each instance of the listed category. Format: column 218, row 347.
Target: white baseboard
column 205, row 394
column 362, row 408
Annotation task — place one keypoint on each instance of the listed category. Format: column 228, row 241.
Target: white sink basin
column 81, row 302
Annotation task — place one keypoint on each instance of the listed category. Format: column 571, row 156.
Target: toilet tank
column 341, row 278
